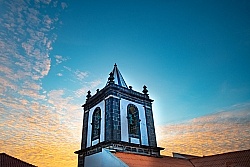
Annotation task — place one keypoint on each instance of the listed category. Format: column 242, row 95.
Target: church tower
column 118, row 119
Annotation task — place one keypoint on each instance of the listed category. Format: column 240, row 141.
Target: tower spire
column 118, row 79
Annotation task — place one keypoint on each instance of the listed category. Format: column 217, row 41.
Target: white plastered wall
column 124, row 122
column 104, row 159
column 102, row 107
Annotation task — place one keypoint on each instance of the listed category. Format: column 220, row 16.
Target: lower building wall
column 103, row 159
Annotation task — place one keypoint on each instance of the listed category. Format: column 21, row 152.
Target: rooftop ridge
column 231, row 152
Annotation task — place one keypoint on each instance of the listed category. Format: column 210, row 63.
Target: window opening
column 96, row 124
column 133, row 121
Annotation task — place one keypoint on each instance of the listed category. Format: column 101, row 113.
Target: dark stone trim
column 105, row 123
column 150, row 127
column 112, row 119
column 108, row 143
column 108, row 120
column 85, row 130
column 81, row 160
column 116, row 90
column 116, row 120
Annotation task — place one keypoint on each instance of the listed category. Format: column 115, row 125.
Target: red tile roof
column 9, row 161
column 135, row 160
column 231, row 159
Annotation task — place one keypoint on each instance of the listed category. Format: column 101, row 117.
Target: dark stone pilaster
column 81, row 160
column 150, row 127
column 85, row 130
column 116, row 120
column 108, row 119
column 112, row 119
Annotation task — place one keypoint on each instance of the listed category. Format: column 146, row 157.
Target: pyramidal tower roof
column 118, row 79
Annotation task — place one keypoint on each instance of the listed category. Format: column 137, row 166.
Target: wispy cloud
column 60, row 59
column 67, row 68
column 26, row 39
column 80, row 75
column 42, row 132
column 227, row 130
column 39, row 126
column 59, row 74
column 91, row 85
column 64, row 5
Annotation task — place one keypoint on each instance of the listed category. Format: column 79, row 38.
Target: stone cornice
column 117, row 92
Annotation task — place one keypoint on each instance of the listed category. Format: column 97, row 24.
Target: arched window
column 96, row 123
column 133, row 121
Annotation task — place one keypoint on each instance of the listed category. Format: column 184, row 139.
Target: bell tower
column 117, row 118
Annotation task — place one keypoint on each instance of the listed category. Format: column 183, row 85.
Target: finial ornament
column 115, row 65
column 111, row 77
column 88, row 95
column 145, row 90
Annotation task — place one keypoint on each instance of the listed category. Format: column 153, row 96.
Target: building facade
column 117, row 118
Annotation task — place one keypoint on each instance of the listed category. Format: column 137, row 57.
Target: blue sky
column 193, row 56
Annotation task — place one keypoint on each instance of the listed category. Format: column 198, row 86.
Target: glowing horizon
column 207, row 135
